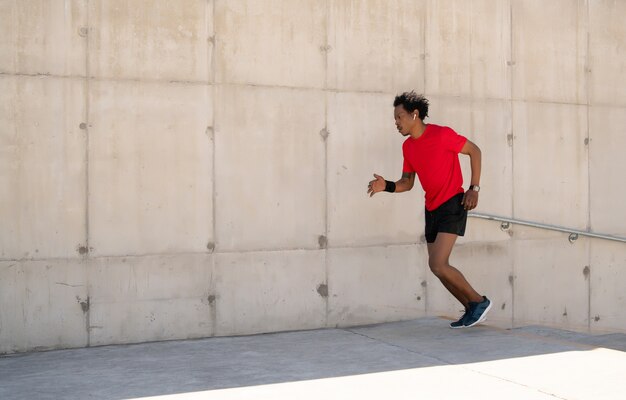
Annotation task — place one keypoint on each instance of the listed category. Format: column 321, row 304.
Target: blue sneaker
column 477, row 312
column 461, row 322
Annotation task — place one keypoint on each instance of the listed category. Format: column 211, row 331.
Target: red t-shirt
column 434, row 157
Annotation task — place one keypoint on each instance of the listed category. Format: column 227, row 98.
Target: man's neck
column 417, row 130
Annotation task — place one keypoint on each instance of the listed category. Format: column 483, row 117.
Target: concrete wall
column 198, row 168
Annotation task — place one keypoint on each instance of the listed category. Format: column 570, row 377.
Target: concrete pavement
column 403, row 360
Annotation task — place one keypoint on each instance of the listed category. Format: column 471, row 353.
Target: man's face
column 404, row 119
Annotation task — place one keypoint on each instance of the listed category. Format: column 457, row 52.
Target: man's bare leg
column 438, row 260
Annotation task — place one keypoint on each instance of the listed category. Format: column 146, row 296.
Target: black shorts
column 450, row 217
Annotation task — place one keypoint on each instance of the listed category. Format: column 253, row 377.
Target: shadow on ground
column 151, row 369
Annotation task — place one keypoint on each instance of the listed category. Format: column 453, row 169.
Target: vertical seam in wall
column 471, row 71
column 87, row 110
column 15, row 40
column 588, row 90
column 512, row 108
column 588, row 149
column 511, row 73
column 17, row 136
column 588, row 87
column 326, row 93
column 212, row 85
column 588, row 277
column 589, row 297
column 212, row 89
column 424, row 66
column 424, row 30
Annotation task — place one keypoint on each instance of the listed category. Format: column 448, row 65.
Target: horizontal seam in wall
column 173, row 254
column 306, row 88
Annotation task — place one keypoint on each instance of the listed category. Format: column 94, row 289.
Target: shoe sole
column 457, row 327
column 482, row 317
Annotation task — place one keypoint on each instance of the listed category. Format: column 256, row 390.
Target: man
column 432, row 151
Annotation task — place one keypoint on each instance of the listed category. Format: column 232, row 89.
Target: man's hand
column 377, row 185
column 470, row 199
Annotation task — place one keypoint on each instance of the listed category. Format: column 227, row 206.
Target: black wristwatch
column 475, row 188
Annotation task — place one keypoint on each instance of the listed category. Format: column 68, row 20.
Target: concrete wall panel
column 150, row 321
column 455, row 112
column 551, row 287
column 481, row 230
column 41, row 305
column 487, row 266
column 150, row 154
column 271, row 42
column 549, row 50
column 550, row 164
column 42, row 159
column 270, row 291
column 448, row 27
column 364, row 143
column 468, row 47
column 376, row 284
column 607, row 52
column 150, row 39
column 608, row 280
column 491, row 131
column 43, row 37
column 135, row 299
column 490, row 27
column 115, row 279
column 607, row 164
column 376, row 45
column 521, row 232
column 269, row 168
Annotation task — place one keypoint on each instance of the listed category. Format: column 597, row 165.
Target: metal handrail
column 573, row 232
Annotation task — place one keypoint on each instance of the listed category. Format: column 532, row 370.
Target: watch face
column 476, row 188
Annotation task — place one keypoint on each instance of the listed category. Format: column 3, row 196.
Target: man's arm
column 406, row 182
column 470, row 200
column 403, row 185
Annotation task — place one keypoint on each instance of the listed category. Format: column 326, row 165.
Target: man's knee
column 437, row 267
